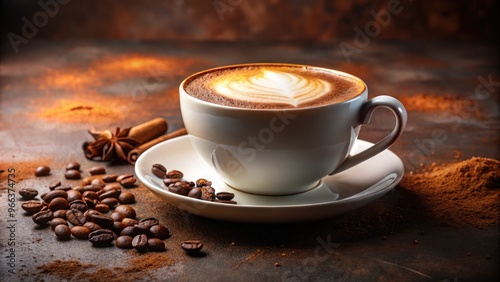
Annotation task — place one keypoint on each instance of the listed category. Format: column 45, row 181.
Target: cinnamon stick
column 148, row 130
column 135, row 153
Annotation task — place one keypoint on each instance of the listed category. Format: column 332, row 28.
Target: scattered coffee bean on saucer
column 159, row 170
column 200, row 189
column 225, row 196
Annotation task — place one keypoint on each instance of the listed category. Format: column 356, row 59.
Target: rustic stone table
column 53, row 92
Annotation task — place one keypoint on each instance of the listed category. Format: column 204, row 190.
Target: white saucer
column 337, row 194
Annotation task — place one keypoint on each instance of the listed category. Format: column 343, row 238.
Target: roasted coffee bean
column 159, row 170
column 177, row 190
column 56, row 221
column 101, row 237
column 112, row 186
column 116, row 216
column 203, row 182
column 110, row 194
column 124, row 242
column 118, row 226
column 63, row 232
column 73, row 195
column 128, row 231
column 226, row 196
column 72, row 174
column 140, row 242
column 168, row 181
column 73, row 165
column 97, row 170
column 225, row 201
column 28, row 193
column 92, row 226
column 195, row 193
column 207, row 193
column 98, row 182
column 60, row 214
column 127, row 180
column 42, row 170
column 91, row 187
column 159, row 231
column 75, row 217
column 110, row 202
column 32, row 206
column 54, row 185
column 63, row 187
column 88, row 213
column 42, row 217
column 128, row 211
column 109, row 178
column 123, row 176
column 88, row 180
column 90, row 194
column 156, row 245
column 141, row 229
column 79, row 205
column 80, row 232
column 90, row 202
column 181, row 188
column 192, row 246
column 103, row 220
column 126, row 198
column 129, row 221
column 58, row 204
column 175, row 174
column 55, row 194
column 103, row 208
column 79, row 189
column 148, row 222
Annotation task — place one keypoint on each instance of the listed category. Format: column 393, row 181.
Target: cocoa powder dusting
column 138, row 269
column 466, row 193
column 459, row 194
column 65, row 269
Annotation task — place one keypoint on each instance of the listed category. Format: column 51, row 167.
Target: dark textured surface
column 139, row 81
column 236, row 20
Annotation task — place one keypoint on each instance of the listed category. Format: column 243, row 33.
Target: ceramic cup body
column 280, row 152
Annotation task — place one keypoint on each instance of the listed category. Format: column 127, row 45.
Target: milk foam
column 270, row 86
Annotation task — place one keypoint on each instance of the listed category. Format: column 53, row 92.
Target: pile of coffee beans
column 200, row 189
column 98, row 210
column 147, row 235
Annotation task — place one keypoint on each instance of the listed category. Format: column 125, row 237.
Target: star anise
column 108, row 146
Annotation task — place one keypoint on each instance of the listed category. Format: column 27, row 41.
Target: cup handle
column 366, row 113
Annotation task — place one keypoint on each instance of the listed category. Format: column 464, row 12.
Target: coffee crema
column 273, row 86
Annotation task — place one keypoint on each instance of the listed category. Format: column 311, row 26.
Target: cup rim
column 192, row 76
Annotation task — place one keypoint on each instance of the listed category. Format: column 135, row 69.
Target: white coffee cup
column 283, row 151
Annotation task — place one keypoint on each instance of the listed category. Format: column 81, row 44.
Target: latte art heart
column 271, row 86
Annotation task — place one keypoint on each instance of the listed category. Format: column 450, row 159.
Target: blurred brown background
column 250, row 20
